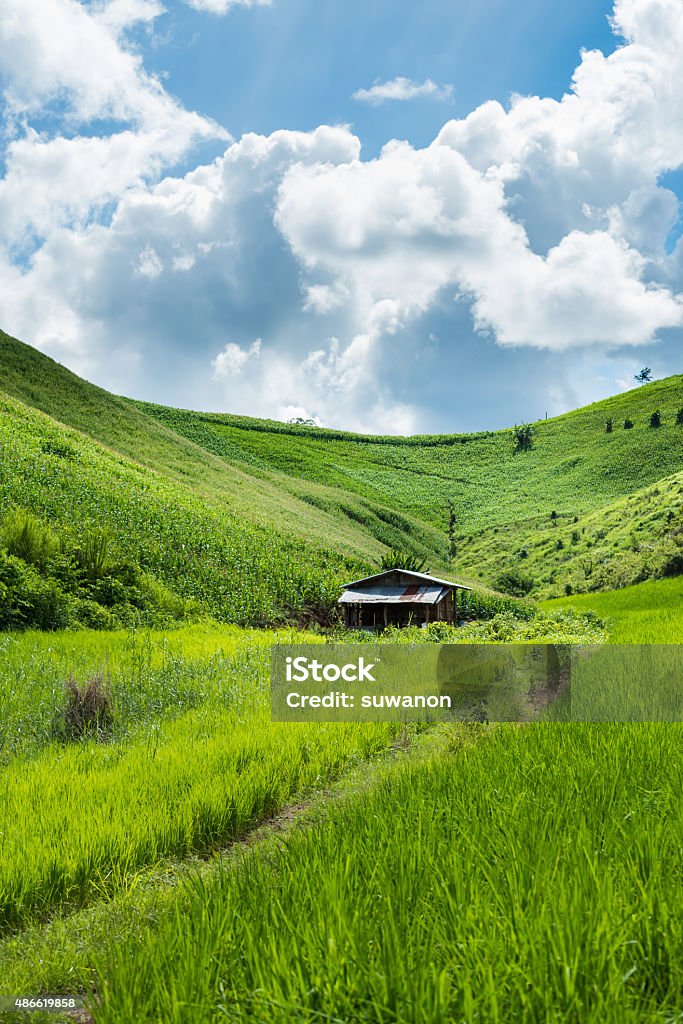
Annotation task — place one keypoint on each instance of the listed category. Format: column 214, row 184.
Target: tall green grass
column 649, row 613
column 153, row 675
column 77, row 822
column 532, row 878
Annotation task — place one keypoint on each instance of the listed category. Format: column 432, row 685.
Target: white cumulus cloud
column 232, row 360
column 403, row 89
column 542, row 224
column 223, row 6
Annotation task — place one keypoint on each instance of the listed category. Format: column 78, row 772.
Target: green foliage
column 448, row 860
column 514, row 582
column 609, row 424
column 28, row 599
column 395, row 559
column 93, row 554
column 656, row 418
column 644, row 376
column 186, row 782
column 56, row 446
column 25, row 537
column 679, row 417
column 523, row 437
column 628, row 424
column 48, row 581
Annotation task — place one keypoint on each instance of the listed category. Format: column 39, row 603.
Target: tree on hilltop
column 644, row 377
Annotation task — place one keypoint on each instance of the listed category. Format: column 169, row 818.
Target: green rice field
column 522, row 877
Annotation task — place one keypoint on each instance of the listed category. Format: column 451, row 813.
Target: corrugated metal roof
column 394, row 595
column 424, row 577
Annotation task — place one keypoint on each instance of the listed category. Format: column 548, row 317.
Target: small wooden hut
column 399, row 597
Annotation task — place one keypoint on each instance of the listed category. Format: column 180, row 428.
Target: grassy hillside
column 582, row 509
column 633, row 539
column 239, row 570
column 358, row 527
column 573, row 467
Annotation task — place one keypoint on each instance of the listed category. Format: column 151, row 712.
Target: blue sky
column 296, row 64
column 399, row 218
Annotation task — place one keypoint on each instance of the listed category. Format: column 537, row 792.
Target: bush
column 395, row 559
column 88, row 710
column 609, row 424
column 514, row 582
column 92, row 615
column 656, row 419
column 93, row 553
column 628, row 424
column 524, row 437
column 25, row 537
column 55, row 446
column 679, row 417
column 48, row 583
column 29, row 600
column 164, row 600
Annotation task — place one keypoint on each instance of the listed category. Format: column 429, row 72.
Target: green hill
column 273, row 515
column 358, row 527
column 577, row 509
column 573, row 467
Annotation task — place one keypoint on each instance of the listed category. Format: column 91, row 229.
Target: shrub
column 25, row 537
column 514, row 582
column 673, row 566
column 109, row 591
column 576, row 536
column 46, row 606
column 679, row 417
column 656, row 418
column 395, row 559
column 92, row 615
column 523, row 436
column 93, row 553
column 55, row 446
column 628, row 424
column 164, row 600
column 88, row 710
column 29, row 600
column 609, row 424
column 560, row 544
